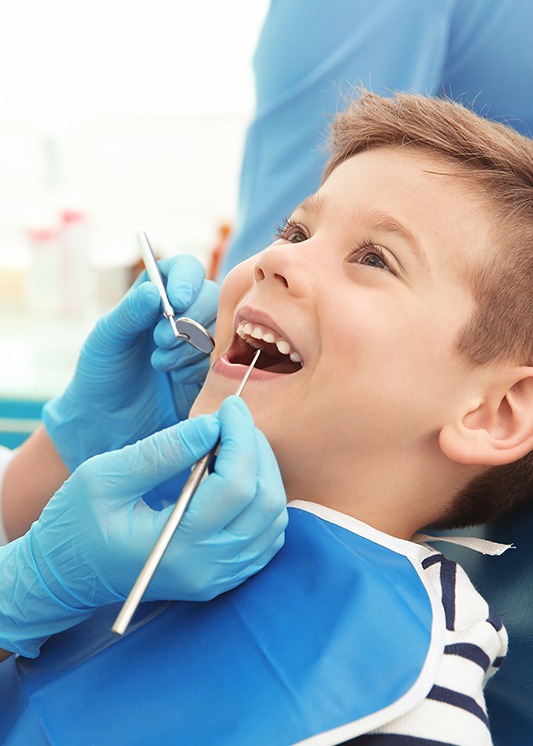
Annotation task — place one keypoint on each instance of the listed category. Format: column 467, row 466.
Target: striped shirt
column 454, row 712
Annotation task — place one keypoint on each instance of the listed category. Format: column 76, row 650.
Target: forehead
column 423, row 197
column 393, row 168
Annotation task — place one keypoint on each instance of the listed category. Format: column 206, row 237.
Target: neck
column 399, row 499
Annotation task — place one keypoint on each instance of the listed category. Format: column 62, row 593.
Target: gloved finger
column 179, row 355
column 269, row 505
column 261, row 551
column 191, row 374
column 137, row 311
column 231, row 487
column 269, row 480
column 202, row 308
column 186, row 384
column 256, row 524
column 245, row 542
column 231, row 561
column 251, row 563
column 122, row 476
column 184, row 280
column 205, row 304
column 184, row 398
column 183, row 276
column 238, row 444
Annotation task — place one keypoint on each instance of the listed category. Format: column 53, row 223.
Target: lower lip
column 223, row 367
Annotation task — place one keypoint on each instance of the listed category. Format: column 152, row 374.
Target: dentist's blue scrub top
column 339, row 634
column 311, row 52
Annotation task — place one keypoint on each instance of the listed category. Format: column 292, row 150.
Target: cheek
column 235, row 286
column 237, row 282
column 209, row 399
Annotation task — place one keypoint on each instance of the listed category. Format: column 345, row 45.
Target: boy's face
column 366, row 286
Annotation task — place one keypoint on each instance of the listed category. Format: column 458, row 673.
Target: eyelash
column 366, row 246
column 287, row 228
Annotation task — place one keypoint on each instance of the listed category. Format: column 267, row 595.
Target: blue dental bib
column 339, row 634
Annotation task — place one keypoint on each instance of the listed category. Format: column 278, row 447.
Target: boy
column 395, row 387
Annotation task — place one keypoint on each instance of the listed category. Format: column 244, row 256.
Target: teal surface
column 18, row 419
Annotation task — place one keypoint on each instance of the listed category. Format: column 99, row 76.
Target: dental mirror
column 195, row 334
column 191, row 331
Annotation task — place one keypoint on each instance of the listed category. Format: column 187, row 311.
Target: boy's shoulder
column 475, row 645
column 474, row 631
column 469, row 642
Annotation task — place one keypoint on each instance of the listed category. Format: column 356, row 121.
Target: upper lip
column 255, row 316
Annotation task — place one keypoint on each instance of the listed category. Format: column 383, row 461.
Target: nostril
column 258, row 273
column 267, row 263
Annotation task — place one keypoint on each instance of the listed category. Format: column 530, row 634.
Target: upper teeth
column 246, row 329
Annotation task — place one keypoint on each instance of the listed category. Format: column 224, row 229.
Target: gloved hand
column 116, row 397
column 95, row 534
column 180, row 360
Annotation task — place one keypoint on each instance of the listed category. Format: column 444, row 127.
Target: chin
column 201, row 406
column 207, row 401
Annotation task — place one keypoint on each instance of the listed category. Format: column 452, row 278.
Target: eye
column 370, row 255
column 291, row 232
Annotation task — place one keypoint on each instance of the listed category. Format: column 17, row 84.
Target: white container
column 44, row 291
column 76, row 270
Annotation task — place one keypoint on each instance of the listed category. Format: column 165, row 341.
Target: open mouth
column 276, row 353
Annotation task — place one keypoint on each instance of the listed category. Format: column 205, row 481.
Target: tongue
column 270, row 358
column 276, row 364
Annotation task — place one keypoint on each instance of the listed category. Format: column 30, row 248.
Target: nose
column 288, row 265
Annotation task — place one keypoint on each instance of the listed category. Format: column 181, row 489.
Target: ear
column 496, row 429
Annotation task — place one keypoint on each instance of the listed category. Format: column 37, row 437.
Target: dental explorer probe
column 193, row 332
column 190, row 487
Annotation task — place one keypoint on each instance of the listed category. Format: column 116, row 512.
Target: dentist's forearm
column 4, row 654
column 33, row 475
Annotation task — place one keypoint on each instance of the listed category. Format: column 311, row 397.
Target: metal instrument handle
column 173, row 521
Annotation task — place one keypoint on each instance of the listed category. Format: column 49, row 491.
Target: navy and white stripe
column 454, row 712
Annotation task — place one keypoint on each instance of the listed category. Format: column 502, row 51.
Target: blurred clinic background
column 114, row 117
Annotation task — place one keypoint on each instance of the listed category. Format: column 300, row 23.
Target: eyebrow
column 383, row 221
column 311, row 204
column 378, row 220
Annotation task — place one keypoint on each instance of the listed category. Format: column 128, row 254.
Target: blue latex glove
column 116, row 397
column 170, row 357
column 95, row 534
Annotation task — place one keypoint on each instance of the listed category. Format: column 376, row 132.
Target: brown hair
column 497, row 163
